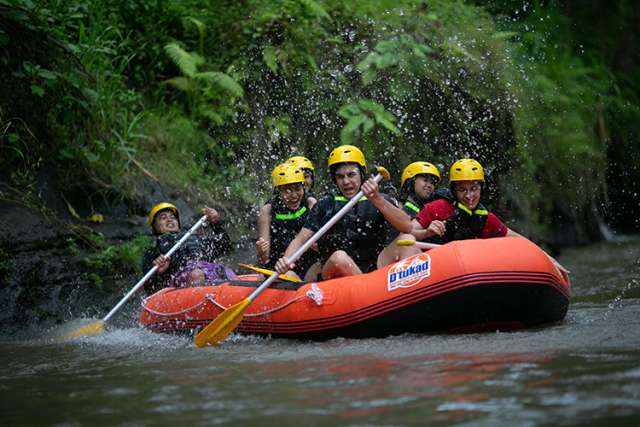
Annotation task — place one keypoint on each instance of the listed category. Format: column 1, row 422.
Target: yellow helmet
column 300, row 162
column 286, row 173
column 419, row 168
column 346, row 154
column 466, row 170
column 161, row 207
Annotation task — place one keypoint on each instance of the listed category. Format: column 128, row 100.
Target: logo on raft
column 409, row 272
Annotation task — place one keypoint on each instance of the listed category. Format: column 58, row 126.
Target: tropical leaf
column 387, row 124
column 212, row 115
column 270, row 59
column 314, row 9
column 181, row 83
column 199, row 25
column 223, row 81
column 369, row 105
column 504, row 35
column 354, row 123
column 187, row 62
column 348, row 111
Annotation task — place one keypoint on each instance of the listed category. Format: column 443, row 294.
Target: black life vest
column 285, row 224
column 464, row 223
column 361, row 232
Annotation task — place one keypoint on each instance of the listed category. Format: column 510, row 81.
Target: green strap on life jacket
column 344, row 199
column 291, row 216
column 470, row 212
column 412, row 206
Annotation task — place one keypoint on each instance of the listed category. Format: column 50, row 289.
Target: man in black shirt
column 352, row 245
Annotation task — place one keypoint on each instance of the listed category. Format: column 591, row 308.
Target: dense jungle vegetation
column 204, row 97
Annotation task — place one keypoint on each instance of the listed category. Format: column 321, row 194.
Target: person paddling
column 195, row 261
column 459, row 215
column 352, row 245
column 283, row 217
column 418, row 184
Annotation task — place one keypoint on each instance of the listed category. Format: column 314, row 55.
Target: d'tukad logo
column 409, row 272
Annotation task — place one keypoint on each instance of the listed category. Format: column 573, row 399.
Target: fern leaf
column 180, row 83
column 314, row 9
column 186, row 62
column 223, row 81
column 270, row 59
column 199, row 25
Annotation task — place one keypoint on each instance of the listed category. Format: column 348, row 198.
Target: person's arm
column 263, row 244
column 435, row 228
column 217, row 242
column 393, row 214
column 283, row 264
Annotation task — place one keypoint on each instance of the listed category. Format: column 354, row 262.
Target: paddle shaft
column 425, row 245
column 155, row 268
column 302, row 249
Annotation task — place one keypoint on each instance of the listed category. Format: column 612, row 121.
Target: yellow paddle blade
column 216, row 331
column 270, row 272
column 405, row 242
column 90, row 330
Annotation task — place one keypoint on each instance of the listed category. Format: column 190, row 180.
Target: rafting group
column 364, row 239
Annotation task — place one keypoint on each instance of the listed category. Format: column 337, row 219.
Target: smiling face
column 166, row 222
column 424, row 186
column 292, row 194
column 468, row 193
column 348, row 179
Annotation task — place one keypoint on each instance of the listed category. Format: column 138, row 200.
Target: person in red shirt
column 460, row 215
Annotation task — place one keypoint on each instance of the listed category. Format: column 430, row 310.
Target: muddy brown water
column 583, row 371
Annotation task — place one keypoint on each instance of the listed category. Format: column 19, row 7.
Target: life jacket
column 464, row 223
column 285, row 224
column 411, row 208
column 361, row 233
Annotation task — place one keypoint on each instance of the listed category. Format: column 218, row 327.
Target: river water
column 584, row 371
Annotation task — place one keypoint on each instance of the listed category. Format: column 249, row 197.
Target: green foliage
column 124, row 258
column 210, row 94
column 362, row 117
column 207, row 100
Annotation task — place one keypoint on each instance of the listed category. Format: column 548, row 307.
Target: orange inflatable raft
column 470, row 285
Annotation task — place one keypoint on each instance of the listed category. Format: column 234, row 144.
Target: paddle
column 97, row 327
column 216, row 331
column 421, row 245
column 270, row 272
